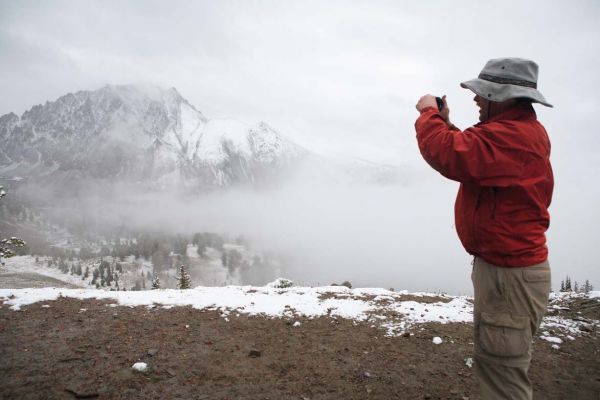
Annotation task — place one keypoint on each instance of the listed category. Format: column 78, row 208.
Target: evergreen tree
column 234, row 259
column 562, row 286
column 184, row 279
column 587, row 287
column 576, row 287
column 201, row 250
column 568, row 287
column 156, row 283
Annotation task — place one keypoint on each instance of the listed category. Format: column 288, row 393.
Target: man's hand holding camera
column 432, row 101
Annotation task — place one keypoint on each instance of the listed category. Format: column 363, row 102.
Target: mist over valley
column 95, row 171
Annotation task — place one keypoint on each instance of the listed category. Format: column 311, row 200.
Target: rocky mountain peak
column 139, row 133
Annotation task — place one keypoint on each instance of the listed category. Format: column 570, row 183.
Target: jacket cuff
column 428, row 108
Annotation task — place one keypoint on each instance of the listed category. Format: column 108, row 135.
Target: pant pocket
column 536, row 275
column 504, row 335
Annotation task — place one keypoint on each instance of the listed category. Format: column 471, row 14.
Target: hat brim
column 500, row 92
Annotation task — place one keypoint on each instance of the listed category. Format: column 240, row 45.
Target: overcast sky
column 340, row 78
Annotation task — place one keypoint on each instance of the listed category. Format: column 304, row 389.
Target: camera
column 440, row 103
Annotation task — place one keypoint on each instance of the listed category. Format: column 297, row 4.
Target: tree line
column 567, row 286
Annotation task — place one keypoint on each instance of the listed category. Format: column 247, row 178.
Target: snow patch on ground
column 379, row 308
column 552, row 339
column 383, row 309
column 21, row 264
column 361, row 305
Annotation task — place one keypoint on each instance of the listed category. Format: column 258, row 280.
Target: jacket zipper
column 494, row 189
column 474, row 225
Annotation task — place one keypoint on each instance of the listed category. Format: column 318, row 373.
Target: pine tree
column 562, row 286
column 185, row 281
column 587, row 287
column 576, row 287
column 156, row 283
column 568, row 287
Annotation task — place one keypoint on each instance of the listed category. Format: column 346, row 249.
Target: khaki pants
column 509, row 306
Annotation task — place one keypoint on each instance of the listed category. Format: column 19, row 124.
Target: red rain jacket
column 506, row 182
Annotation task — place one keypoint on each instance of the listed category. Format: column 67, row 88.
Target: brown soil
column 61, row 352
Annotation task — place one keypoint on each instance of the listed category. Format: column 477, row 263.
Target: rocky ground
column 69, row 348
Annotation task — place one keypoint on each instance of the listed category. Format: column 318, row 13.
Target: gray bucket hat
column 507, row 78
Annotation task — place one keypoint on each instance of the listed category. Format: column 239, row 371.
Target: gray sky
column 340, row 78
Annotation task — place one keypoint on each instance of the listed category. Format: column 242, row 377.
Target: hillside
column 272, row 343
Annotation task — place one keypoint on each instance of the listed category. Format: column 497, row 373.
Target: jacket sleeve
column 475, row 155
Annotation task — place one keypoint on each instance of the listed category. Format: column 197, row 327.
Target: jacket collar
column 519, row 112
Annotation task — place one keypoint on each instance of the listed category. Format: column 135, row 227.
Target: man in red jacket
column 501, row 211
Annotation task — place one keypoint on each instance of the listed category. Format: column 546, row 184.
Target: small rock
column 469, row 362
column 437, row 340
column 406, row 334
column 140, row 366
column 367, row 374
column 81, row 395
column 171, row 372
column 152, row 352
column 254, row 353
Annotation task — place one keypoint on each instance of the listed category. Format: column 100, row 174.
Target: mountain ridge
column 139, row 133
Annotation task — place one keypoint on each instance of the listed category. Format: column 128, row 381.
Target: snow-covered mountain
column 138, row 134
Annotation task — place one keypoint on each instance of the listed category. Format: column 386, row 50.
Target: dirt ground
column 64, row 352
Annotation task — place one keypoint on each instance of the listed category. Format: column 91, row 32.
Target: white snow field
column 394, row 311
column 378, row 307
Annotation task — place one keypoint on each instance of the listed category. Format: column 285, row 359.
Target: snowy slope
column 394, row 312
